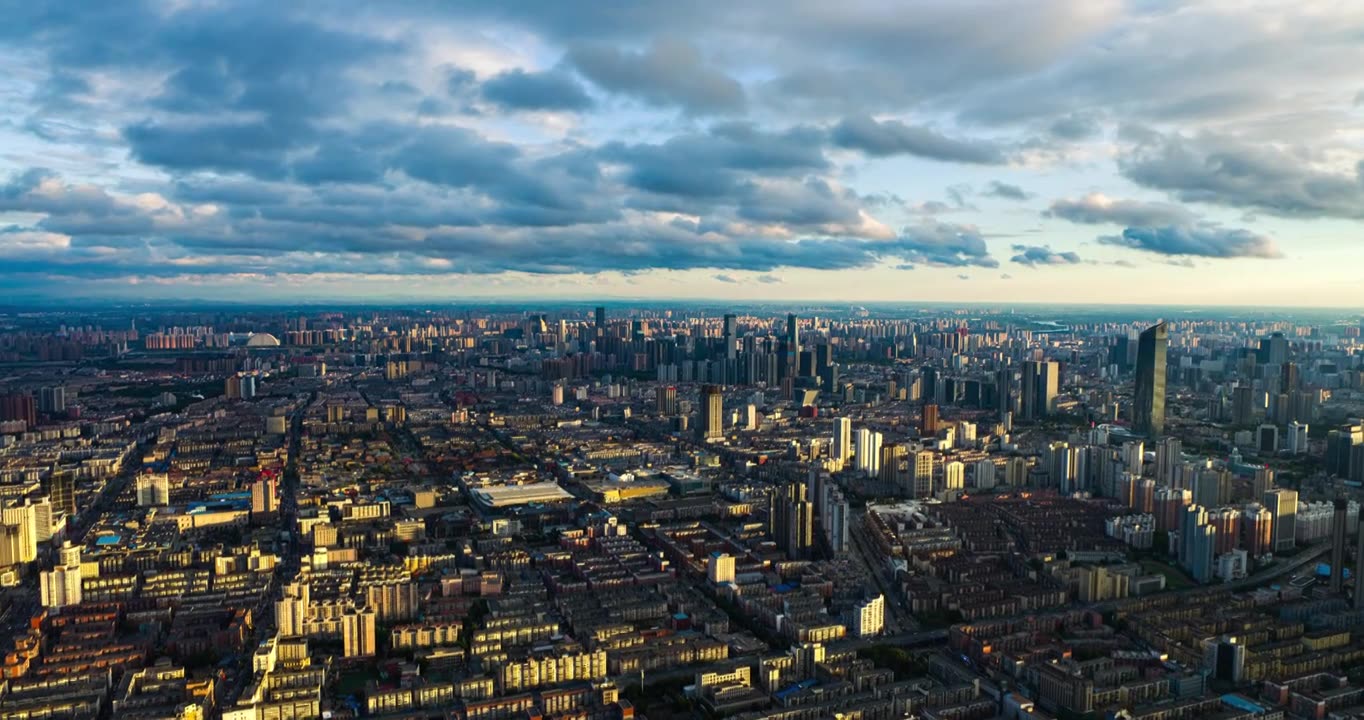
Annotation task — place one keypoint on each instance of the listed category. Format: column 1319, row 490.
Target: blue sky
column 1087, row 151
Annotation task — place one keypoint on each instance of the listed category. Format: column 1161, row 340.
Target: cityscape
column 680, row 511
column 651, row 360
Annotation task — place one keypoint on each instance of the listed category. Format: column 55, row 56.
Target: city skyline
column 1059, row 152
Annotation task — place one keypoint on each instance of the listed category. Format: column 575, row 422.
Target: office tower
column 1283, row 505
column 1134, row 456
column 601, row 321
column 928, row 379
column 667, row 400
column 1120, row 353
column 1041, row 379
column 556, row 394
column 792, row 341
column 869, row 617
column 52, row 400
column 1273, row 350
column 1243, row 405
column 1148, row 405
column 791, row 520
column 751, row 417
column 264, row 498
column 61, row 489
column 1289, row 378
column 1004, row 391
column 1338, row 530
column 985, row 474
column 720, row 568
column 1169, row 456
column 954, row 475
column 923, row 474
column 1340, row 444
column 1267, row 439
column 1258, row 528
column 730, row 334
column 842, row 448
column 61, row 586
column 710, row 425
column 928, row 426
column 359, row 629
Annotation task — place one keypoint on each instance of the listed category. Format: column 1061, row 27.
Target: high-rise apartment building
column 1282, row 504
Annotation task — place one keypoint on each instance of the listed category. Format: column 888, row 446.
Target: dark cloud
column 1074, row 127
column 768, row 279
column 1223, row 171
column 726, row 278
column 1005, row 191
column 551, row 90
column 892, row 137
column 711, row 164
column 1098, row 209
column 1203, row 240
column 252, row 147
column 670, row 72
column 1035, row 255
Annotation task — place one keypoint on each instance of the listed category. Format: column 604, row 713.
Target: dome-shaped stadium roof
column 262, row 340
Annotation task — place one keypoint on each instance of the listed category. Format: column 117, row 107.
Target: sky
column 1086, row 151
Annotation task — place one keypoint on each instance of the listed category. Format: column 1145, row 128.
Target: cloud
column 892, row 137
column 1006, row 276
column 671, row 72
column 1035, row 255
column 1005, row 191
column 963, row 277
column 943, row 245
column 768, row 279
column 1204, row 240
column 551, row 90
column 1099, row 209
column 725, row 278
column 1223, row 171
column 713, row 164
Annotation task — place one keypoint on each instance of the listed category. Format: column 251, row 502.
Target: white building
column 720, row 568
column 985, row 474
column 869, row 617
column 954, row 475
column 61, row 586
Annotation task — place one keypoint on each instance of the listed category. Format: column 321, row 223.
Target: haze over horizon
column 1056, row 152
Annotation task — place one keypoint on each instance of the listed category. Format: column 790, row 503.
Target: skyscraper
column 792, row 342
column 711, row 423
column 1283, row 505
column 923, row 474
column 1338, row 520
column 791, row 519
column 1148, row 406
column 1041, row 380
column 730, row 334
column 842, row 449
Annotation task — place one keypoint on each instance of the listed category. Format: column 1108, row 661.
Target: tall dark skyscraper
column 1338, row 530
column 731, row 332
column 1041, row 380
column 1148, row 406
column 792, row 342
column 601, row 321
column 791, row 518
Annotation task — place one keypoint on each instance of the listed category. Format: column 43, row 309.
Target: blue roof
column 1242, row 703
column 1324, row 570
column 108, row 540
